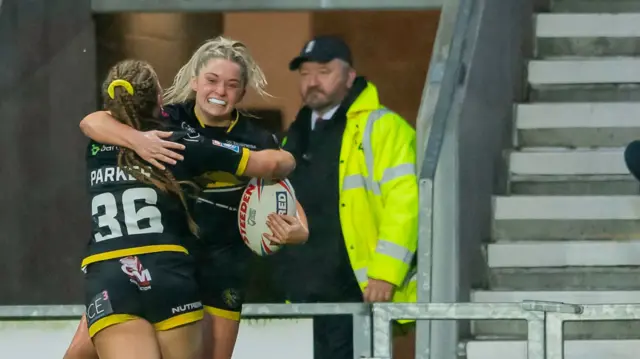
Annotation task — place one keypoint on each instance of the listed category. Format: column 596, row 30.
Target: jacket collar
column 366, row 101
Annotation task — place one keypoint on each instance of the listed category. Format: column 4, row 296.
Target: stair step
column 603, row 185
column 580, row 47
column 573, row 330
column 568, row 296
column 541, row 254
column 573, row 349
column 568, row 162
column 567, row 278
column 606, row 30
column 566, row 217
column 601, row 124
column 622, row 70
column 586, row 93
column 587, row 25
column 594, row 6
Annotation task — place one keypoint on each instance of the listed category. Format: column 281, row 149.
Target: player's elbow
column 89, row 123
column 270, row 164
column 85, row 126
column 285, row 164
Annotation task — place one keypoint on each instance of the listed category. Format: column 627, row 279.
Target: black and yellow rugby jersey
column 221, row 190
column 130, row 217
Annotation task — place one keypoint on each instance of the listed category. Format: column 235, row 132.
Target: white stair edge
column 545, row 254
column 595, row 162
column 574, row 297
column 587, row 25
column 573, row 349
column 571, row 178
column 539, row 149
column 621, row 70
column 566, row 208
column 577, row 115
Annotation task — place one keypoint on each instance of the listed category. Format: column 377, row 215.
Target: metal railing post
column 362, row 335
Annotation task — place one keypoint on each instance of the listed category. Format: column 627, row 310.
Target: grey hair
column 218, row 48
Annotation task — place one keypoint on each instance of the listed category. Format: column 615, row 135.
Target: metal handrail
column 41, row 311
column 446, row 74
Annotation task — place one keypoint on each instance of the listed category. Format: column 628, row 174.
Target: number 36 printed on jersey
column 105, row 210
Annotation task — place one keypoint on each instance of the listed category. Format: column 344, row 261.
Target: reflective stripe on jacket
column 379, row 195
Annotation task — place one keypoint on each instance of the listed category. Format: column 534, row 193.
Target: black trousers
column 332, row 334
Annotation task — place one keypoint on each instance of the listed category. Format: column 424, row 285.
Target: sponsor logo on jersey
column 138, row 275
column 95, row 149
column 234, row 148
column 186, row 307
column 99, row 307
column 282, row 202
column 243, row 212
column 242, row 144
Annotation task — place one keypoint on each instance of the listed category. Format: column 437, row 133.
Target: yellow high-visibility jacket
column 379, row 195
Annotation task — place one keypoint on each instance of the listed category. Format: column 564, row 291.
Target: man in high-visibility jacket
column 356, row 180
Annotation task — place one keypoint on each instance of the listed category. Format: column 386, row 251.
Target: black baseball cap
column 322, row 49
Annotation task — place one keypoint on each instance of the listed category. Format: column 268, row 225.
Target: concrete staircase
column 569, row 228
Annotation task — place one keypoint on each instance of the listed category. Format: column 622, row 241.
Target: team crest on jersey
column 234, row 148
column 138, row 275
column 191, row 132
column 231, row 297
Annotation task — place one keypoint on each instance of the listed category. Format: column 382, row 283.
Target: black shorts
column 158, row 287
column 223, row 273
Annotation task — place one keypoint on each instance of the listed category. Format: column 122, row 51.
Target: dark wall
column 391, row 48
column 47, row 83
column 165, row 40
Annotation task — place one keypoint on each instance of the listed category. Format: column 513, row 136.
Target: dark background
column 49, row 76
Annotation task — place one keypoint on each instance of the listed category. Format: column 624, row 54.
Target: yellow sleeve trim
column 242, row 166
column 388, row 269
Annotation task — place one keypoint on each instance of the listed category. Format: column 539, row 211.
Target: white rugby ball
column 260, row 198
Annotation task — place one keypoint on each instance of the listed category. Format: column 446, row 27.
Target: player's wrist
column 133, row 138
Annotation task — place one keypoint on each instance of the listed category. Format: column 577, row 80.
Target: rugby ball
column 260, row 198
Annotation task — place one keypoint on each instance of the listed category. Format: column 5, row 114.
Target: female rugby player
column 139, row 279
column 204, row 95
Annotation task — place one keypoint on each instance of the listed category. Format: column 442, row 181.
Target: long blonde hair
column 218, row 48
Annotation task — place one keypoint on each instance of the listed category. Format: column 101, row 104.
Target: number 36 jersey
column 130, row 217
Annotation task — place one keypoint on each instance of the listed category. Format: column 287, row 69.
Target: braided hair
column 131, row 92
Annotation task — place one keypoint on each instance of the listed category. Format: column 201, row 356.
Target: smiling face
column 219, row 87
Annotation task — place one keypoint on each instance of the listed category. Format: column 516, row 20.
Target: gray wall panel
column 47, row 83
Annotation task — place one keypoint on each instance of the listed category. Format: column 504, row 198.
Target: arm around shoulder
column 101, row 127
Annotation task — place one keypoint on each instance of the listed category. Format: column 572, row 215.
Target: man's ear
column 351, row 77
